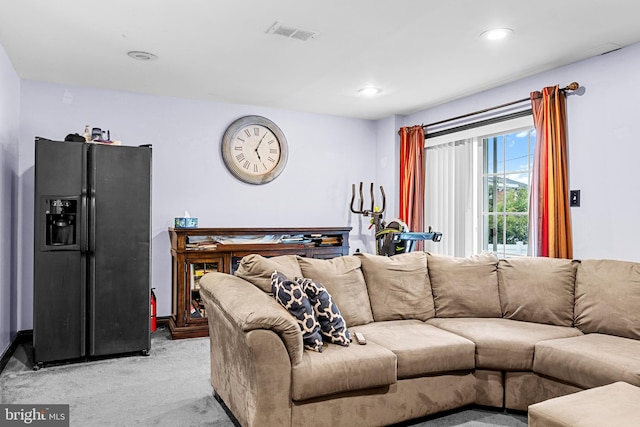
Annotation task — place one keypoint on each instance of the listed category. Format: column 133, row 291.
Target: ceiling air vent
column 292, row 32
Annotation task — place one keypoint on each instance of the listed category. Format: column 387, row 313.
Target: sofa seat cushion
column 590, row 361
column 339, row 369
column 421, row 349
column 504, row 344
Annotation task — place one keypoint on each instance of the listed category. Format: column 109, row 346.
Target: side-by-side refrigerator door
column 59, row 275
column 119, row 249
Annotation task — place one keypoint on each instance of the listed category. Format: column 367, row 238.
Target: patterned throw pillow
column 292, row 297
column 332, row 323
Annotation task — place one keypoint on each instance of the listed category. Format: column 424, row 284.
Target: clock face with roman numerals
column 254, row 149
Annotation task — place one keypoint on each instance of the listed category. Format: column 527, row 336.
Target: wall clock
column 254, row 149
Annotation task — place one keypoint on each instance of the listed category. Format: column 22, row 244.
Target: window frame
column 503, row 173
column 477, row 134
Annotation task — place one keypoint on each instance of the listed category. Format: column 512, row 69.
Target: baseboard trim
column 20, row 338
column 163, row 321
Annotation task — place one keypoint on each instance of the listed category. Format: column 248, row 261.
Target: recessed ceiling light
column 142, row 56
column 370, row 91
column 496, row 33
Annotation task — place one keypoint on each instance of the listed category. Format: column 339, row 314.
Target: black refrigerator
column 92, row 250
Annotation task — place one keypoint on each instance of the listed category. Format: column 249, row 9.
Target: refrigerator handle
column 91, row 258
column 92, row 223
column 83, row 306
column 83, row 225
column 84, row 245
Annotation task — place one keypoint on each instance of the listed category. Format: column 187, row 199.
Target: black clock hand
column 261, row 139
column 257, row 146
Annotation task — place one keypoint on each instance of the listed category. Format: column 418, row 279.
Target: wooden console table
column 197, row 251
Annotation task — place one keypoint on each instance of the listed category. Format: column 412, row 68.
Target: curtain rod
column 571, row 86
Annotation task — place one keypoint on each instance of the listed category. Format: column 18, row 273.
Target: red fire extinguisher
column 154, row 323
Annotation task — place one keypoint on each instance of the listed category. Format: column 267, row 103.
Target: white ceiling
column 421, row 53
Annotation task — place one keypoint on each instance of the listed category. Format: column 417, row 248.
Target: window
column 507, row 165
column 477, row 189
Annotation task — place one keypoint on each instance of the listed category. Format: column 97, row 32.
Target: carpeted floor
column 168, row 388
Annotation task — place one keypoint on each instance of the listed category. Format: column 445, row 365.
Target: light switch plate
column 574, row 198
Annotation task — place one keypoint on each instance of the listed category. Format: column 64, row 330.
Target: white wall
column 604, row 152
column 326, row 155
column 9, row 124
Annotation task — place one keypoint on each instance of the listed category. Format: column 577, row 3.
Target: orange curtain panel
column 550, row 220
column 412, row 176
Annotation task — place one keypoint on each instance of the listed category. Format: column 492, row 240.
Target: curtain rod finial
column 573, row 86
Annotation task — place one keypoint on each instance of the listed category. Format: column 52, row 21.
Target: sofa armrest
column 254, row 343
column 249, row 308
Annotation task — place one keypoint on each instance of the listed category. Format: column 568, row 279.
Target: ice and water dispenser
column 61, row 222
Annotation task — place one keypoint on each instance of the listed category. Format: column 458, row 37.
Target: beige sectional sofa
column 442, row 332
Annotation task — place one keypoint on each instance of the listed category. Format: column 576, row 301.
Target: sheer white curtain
column 452, row 196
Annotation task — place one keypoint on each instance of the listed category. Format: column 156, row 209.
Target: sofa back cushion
column 608, row 298
column 257, row 269
column 464, row 287
column 537, row 289
column 398, row 286
column 343, row 278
